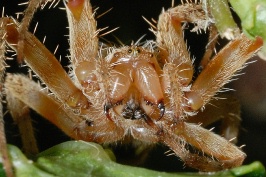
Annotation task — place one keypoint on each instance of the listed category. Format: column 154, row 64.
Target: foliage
column 80, row 159
column 252, row 14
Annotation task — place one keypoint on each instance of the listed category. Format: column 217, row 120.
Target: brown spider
column 144, row 92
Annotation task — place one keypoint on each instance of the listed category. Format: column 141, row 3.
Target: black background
column 127, row 15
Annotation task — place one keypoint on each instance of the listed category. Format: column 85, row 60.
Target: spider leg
column 33, row 5
column 213, row 37
column 201, row 149
column 196, row 146
column 83, row 35
column 170, row 40
column 227, row 110
column 178, row 66
column 46, row 66
column 75, row 126
column 220, row 69
column 215, row 74
column 21, row 116
column 83, row 40
column 3, row 144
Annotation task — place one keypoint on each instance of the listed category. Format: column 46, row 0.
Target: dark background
column 126, row 14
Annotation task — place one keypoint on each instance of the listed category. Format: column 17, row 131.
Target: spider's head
column 135, row 88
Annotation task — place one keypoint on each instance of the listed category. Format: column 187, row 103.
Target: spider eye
column 138, row 50
column 129, row 51
column 157, row 50
column 116, row 55
column 151, row 55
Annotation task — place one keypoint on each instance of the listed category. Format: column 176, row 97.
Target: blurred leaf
column 252, row 14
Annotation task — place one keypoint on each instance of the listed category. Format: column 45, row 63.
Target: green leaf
column 223, row 18
column 80, row 159
column 252, row 14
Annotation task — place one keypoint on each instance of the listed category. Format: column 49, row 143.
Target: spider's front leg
column 45, row 65
column 220, row 70
column 217, row 153
column 178, row 67
column 83, row 41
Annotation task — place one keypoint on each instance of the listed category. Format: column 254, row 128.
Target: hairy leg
column 226, row 108
column 201, row 149
column 21, row 116
column 46, row 66
column 98, row 129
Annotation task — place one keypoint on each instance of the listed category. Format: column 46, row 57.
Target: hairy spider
column 146, row 92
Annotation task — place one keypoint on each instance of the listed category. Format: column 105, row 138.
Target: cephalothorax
column 146, row 92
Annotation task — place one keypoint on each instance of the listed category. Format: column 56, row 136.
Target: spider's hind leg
column 20, row 113
column 201, row 149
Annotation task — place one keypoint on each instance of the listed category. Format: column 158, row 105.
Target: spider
column 146, row 92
